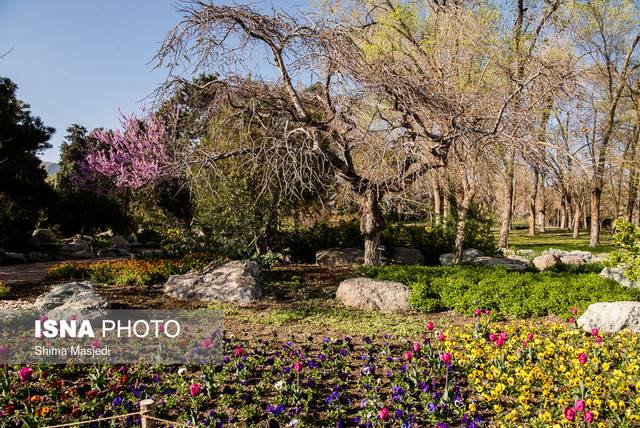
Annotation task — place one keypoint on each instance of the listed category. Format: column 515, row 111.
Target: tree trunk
column 542, row 214
column 563, row 214
column 460, row 230
column 532, row 203
column 507, row 208
column 576, row 221
column 371, row 223
column 632, row 195
column 437, row 202
column 596, row 196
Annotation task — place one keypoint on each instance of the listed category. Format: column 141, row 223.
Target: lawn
column 557, row 238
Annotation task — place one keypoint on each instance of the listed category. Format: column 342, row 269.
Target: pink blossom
column 598, row 340
column 570, row 414
column 487, row 312
column 595, row 331
column 530, row 337
column 429, row 326
column 442, row 337
column 446, row 358
column 297, row 366
column 194, row 389
column 383, row 413
column 574, row 310
column 239, row 350
column 493, row 337
column 580, row 405
column 95, row 344
column 417, row 346
column 207, row 343
column 589, row 416
column 582, row 358
column 408, row 355
column 25, row 374
column 477, row 312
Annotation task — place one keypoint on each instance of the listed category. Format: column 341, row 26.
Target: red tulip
column 429, row 326
column 477, row 312
column 297, row 366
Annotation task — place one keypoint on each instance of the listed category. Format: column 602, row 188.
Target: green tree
column 23, row 190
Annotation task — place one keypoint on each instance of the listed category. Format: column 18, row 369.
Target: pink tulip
column 530, row 337
column 95, row 344
column 297, row 366
column 580, row 405
column 417, row 346
column 589, row 416
column 408, row 355
column 570, row 414
column 598, row 340
column 574, row 310
column 499, row 342
column 441, row 337
column 446, row 358
column 3, row 349
column 194, row 389
column 595, row 331
column 503, row 335
column 524, row 343
column 383, row 413
column 477, row 312
column 239, row 351
column 582, row 358
column 571, row 320
column 487, row 312
column 429, row 326
column 493, row 337
column 25, row 374
column 207, row 343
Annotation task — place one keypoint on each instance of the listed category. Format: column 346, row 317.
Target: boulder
column 12, row 258
column 82, row 254
column 15, row 309
column 546, row 261
column 75, row 245
column 235, row 282
column 43, row 236
column 520, row 259
column 119, row 242
column 573, row 259
column 35, row 257
column 407, row 256
column 467, row 255
column 617, row 274
column 371, row 294
column 611, row 317
column 507, row 263
column 340, row 256
column 72, row 298
column 529, row 254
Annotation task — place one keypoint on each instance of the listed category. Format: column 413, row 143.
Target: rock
column 236, row 282
column 546, row 261
column 506, row 252
column 35, row 257
column 13, row 258
column 371, row 294
column 529, row 254
column 14, row 309
column 507, row 263
column 572, row 259
column 82, row 255
column 467, row 255
column 74, row 246
column 340, row 256
column 611, row 317
column 42, row 236
column 119, row 242
column 72, row 298
column 617, row 274
column 600, row 258
column 106, row 234
column 407, row 256
column 520, row 259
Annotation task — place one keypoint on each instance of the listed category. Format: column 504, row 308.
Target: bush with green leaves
column 464, row 288
column 626, row 239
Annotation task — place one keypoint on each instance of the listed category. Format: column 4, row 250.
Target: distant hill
column 51, row 167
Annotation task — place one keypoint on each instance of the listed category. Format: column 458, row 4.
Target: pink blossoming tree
column 131, row 157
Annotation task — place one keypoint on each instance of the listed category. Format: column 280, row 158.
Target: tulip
column 429, row 326
column 570, row 414
column 207, row 343
column 487, row 312
column 580, row 405
column 477, row 312
column 408, row 355
column 194, row 389
column 239, row 351
column 25, row 374
column 574, row 310
column 594, row 331
column 530, row 337
column 417, row 346
column 598, row 340
column 589, row 417
column 582, row 358
column 493, row 337
column 383, row 413
column 446, row 358
column 441, row 337
column 297, row 366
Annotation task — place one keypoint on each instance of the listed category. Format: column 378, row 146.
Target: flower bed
column 487, row 374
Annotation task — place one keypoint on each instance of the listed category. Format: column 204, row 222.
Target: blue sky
column 80, row 61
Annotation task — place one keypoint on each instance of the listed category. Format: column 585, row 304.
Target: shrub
column 627, row 241
column 464, row 288
column 124, row 272
column 4, row 289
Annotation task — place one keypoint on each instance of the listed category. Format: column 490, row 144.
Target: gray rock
column 507, row 263
column 523, row 259
column 546, row 261
column 371, row 294
column 467, row 255
column 15, row 309
column 35, row 257
column 13, row 258
column 617, row 274
column 340, row 256
column 43, row 236
column 529, row 254
column 611, row 317
column 574, row 260
column 75, row 245
column 236, row 282
column 507, row 252
column 73, row 298
column 119, row 242
column 407, row 256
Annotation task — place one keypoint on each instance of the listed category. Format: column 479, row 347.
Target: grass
column 559, row 239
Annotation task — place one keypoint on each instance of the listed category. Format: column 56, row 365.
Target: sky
column 84, row 61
